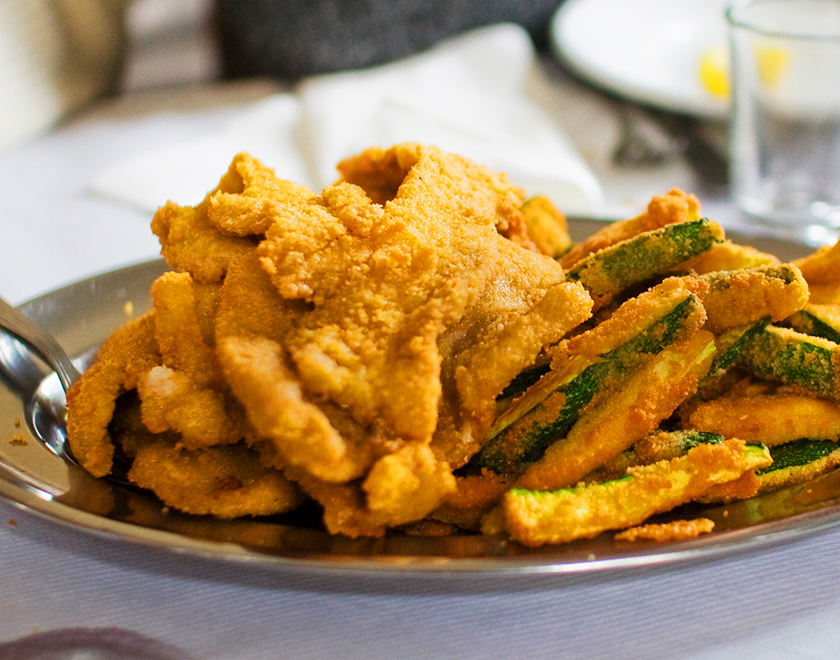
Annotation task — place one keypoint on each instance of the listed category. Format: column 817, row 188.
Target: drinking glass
column 785, row 125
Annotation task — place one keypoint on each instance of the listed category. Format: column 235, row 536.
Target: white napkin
column 468, row 95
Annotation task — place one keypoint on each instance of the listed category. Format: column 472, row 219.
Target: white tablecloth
column 777, row 603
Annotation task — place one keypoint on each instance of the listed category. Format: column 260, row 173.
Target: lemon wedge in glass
column 714, row 70
column 771, row 63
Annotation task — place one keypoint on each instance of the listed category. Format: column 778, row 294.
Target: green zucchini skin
column 524, row 440
column 691, row 439
column 798, row 453
column 523, row 381
column 730, row 346
column 797, row 462
column 607, row 272
column 818, row 321
column 794, row 358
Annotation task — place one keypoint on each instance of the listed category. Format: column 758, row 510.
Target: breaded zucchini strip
column 824, row 293
column 666, row 445
column 787, row 356
column 818, row 321
column 650, row 395
column 612, row 270
column 821, row 270
column 587, row 368
column 673, row 207
column 654, row 447
column 538, row 517
column 822, row 266
column 730, row 344
column 739, row 297
column 728, row 256
column 771, row 419
column 796, row 462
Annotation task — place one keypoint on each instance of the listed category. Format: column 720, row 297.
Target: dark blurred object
column 290, row 39
column 89, row 644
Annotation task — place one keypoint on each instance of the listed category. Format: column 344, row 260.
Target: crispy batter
column 171, row 401
column 300, row 431
column 250, row 306
column 546, row 226
column 769, row 418
column 406, row 485
column 381, row 172
column 122, row 359
column 728, row 256
column 354, row 342
column 822, row 266
column 472, row 499
column 202, row 240
column 182, row 342
column 401, row 487
column 250, row 196
column 222, row 481
column 190, row 243
column 745, row 486
column 751, row 294
column 676, row 530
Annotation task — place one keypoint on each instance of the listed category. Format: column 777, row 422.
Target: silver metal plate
column 36, row 475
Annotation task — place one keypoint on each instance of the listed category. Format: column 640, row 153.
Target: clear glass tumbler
column 785, row 126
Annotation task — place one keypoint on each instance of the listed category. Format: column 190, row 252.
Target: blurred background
column 59, row 56
column 601, row 104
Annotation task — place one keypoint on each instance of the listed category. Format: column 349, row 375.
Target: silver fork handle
column 41, row 343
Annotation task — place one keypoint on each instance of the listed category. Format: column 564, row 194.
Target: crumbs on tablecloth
column 13, row 523
column 677, row 530
column 128, row 308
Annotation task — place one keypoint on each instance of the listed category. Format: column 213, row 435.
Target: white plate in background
column 645, row 50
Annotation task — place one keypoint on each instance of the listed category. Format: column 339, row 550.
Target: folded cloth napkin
column 476, row 95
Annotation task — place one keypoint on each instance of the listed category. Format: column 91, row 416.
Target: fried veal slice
column 182, row 341
column 226, row 482
column 414, row 286
column 250, row 195
column 204, row 239
column 127, row 354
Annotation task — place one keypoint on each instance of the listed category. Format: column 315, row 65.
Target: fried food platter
column 37, row 475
